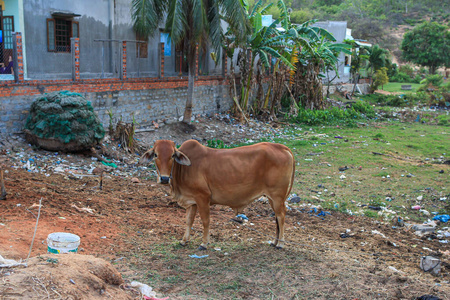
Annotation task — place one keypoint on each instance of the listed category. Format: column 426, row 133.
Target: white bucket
column 62, row 242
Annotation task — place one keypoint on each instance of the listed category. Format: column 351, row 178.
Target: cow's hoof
column 202, row 248
column 183, row 243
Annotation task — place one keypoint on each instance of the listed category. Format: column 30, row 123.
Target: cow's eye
column 156, row 155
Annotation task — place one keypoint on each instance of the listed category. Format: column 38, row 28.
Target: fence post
column 75, row 49
column 123, row 69
column 18, row 57
column 224, row 63
column 196, row 61
column 161, row 60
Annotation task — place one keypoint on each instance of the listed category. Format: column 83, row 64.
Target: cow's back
column 234, row 177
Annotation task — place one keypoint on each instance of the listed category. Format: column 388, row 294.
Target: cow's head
column 165, row 154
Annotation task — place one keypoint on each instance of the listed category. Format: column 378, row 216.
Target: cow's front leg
column 190, row 216
column 204, row 211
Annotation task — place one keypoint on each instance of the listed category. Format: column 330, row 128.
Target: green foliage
column 427, row 45
column 400, row 77
column 217, row 144
column 65, row 116
column 403, row 100
column 301, row 16
column 359, row 110
column 381, row 78
column 407, row 69
column 443, row 120
column 435, row 80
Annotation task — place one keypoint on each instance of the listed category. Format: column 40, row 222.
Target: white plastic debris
column 143, row 288
column 9, row 263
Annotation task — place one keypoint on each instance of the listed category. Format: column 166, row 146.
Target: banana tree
column 322, row 55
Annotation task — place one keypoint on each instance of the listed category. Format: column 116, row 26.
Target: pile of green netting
column 63, row 121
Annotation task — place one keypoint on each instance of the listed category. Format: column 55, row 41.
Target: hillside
column 380, row 22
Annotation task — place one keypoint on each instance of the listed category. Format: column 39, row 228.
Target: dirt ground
column 130, row 229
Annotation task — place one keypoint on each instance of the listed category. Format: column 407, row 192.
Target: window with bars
column 59, row 32
column 141, row 48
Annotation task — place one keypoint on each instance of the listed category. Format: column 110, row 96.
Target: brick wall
column 146, row 99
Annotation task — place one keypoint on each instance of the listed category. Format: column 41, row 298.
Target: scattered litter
column 430, row 264
column 345, row 235
column 198, row 256
column 420, row 198
column 83, row 209
column 242, row 216
column 143, row 288
column 295, row 199
column 395, row 270
column 374, row 207
column 379, row 233
column 10, row 263
column 428, row 297
column 342, row 177
column 442, row 218
column 416, row 207
column 71, row 281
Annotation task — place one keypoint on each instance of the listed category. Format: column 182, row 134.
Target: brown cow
column 200, row 176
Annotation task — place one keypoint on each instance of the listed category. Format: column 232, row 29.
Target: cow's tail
column 292, row 176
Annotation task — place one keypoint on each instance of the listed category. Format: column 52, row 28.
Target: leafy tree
column 381, row 78
column 189, row 22
column 313, row 61
column 427, row 45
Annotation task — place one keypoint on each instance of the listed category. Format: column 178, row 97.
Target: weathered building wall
column 146, row 100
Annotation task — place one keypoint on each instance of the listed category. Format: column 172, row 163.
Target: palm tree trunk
column 191, row 82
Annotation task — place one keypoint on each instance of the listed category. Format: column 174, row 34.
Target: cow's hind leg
column 190, row 216
column 279, row 208
column 204, row 211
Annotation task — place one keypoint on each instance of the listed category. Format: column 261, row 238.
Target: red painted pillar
column 224, row 63
column 196, row 60
column 18, row 57
column 75, row 45
column 161, row 60
column 123, row 73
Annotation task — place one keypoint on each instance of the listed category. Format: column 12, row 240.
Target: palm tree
column 191, row 22
column 378, row 57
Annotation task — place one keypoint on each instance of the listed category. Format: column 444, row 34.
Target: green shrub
column 443, row 120
column 407, row 69
column 400, row 77
column 358, row 111
column 435, row 80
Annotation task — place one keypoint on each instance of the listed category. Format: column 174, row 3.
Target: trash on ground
column 143, row 288
column 428, row 297
column 10, row 263
column 442, row 218
column 430, row 264
column 198, row 256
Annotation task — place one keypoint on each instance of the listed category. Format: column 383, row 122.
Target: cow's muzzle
column 164, row 179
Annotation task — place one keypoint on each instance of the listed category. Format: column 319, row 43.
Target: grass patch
column 412, row 156
column 396, row 87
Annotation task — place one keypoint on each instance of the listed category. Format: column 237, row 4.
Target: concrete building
column 339, row 30
column 101, row 26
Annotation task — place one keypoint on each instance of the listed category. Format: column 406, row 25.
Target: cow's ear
column 181, row 158
column 147, row 157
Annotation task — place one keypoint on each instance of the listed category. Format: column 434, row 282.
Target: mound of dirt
column 67, row 276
